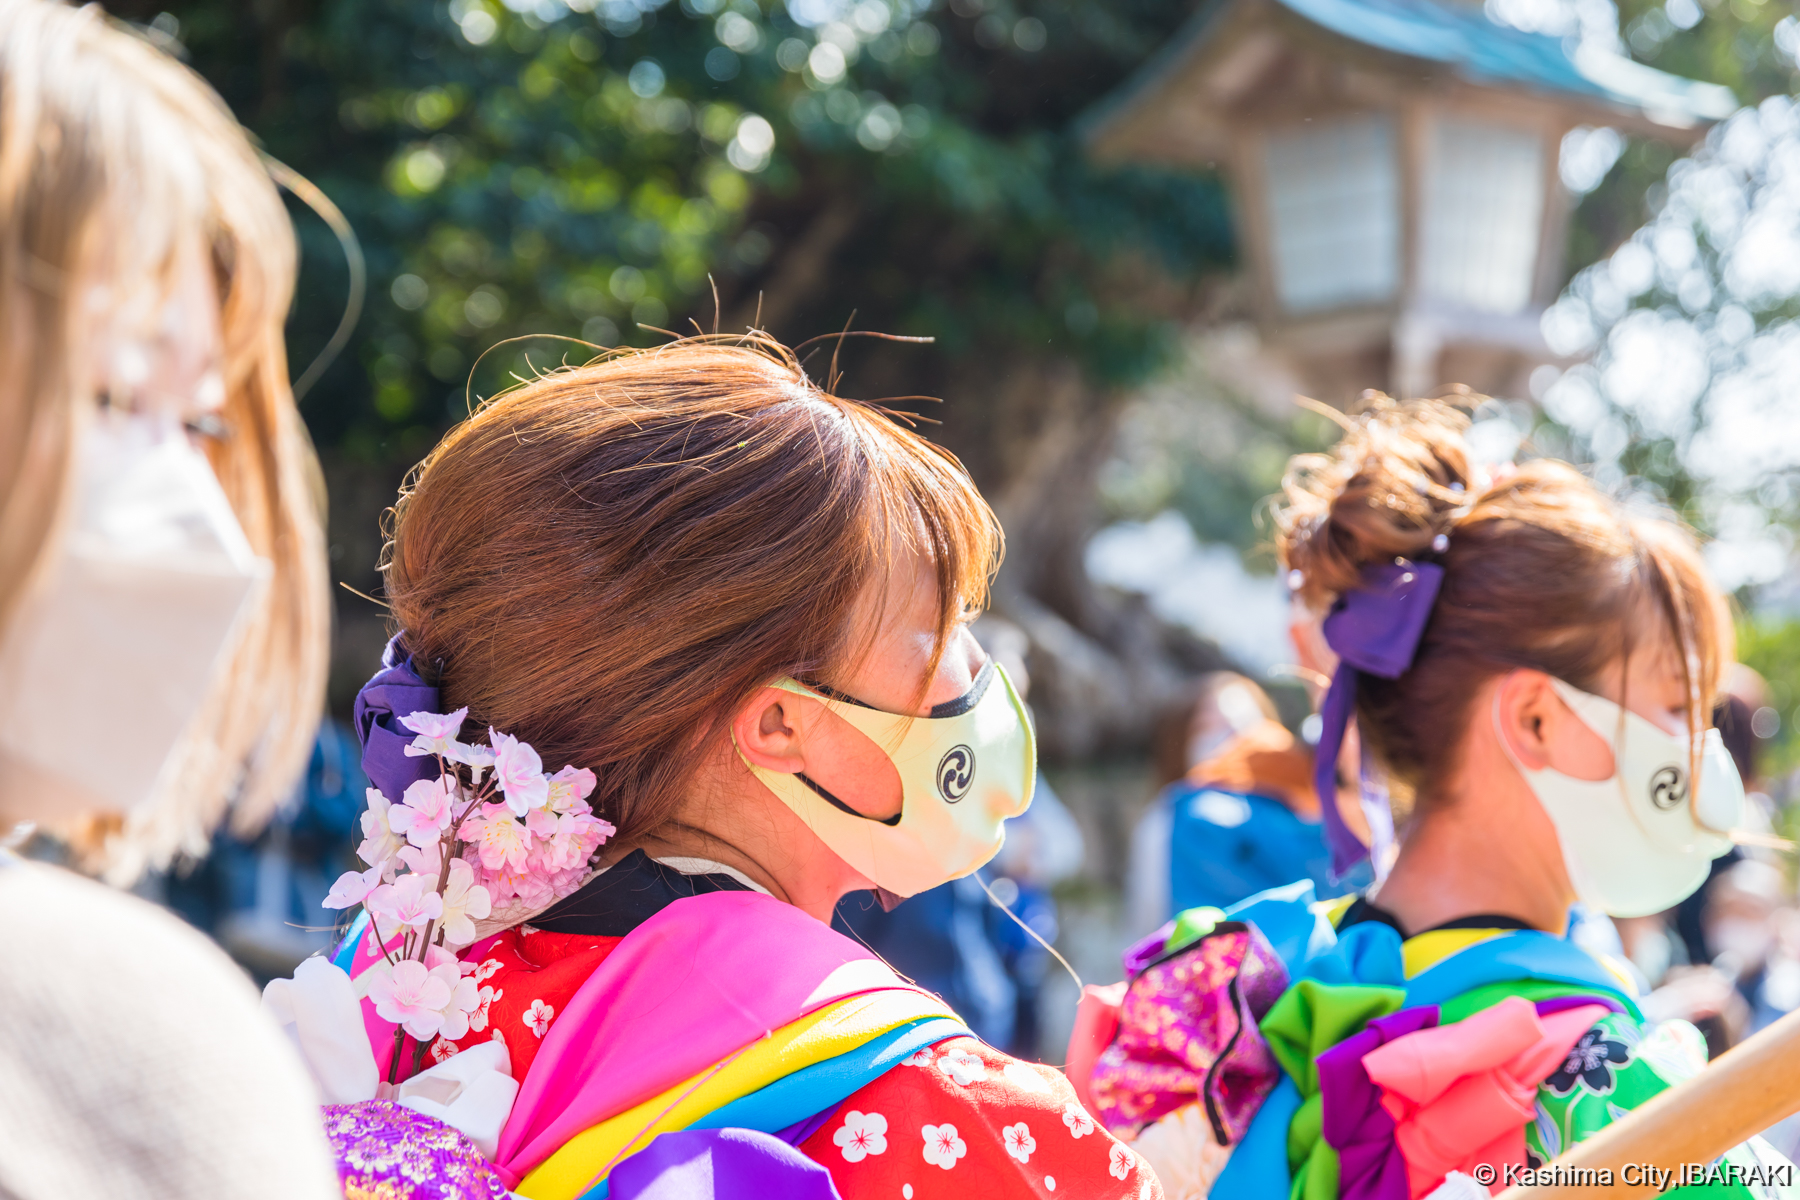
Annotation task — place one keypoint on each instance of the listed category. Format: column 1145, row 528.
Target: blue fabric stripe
column 1522, row 954
column 346, row 951
column 813, row 1089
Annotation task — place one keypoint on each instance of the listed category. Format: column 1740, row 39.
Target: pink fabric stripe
column 381, row 1033
column 1461, row 1094
column 702, row 978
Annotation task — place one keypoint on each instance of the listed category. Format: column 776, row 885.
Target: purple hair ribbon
column 396, row 691
column 1374, row 627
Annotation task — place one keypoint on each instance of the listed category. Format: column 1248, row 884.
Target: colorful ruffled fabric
column 387, row 1152
column 1309, row 1019
column 1187, row 1031
column 1460, row 1094
column 1352, row 1118
column 1351, row 979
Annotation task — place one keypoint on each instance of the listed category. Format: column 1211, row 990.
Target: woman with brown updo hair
column 742, row 603
column 1531, row 666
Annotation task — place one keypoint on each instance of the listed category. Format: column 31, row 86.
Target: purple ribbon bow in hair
column 1374, row 627
column 396, row 691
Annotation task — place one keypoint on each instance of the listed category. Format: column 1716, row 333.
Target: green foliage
column 1197, row 443
column 1732, row 43
column 1683, row 302
column 530, row 169
column 1771, row 647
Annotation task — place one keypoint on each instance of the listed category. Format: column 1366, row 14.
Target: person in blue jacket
column 1238, row 813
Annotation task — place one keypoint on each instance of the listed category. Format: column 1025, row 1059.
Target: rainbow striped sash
column 779, row 1080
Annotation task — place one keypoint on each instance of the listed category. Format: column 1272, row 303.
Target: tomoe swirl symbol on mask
column 1668, row 788
column 955, row 772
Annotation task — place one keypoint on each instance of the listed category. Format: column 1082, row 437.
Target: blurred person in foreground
column 163, row 614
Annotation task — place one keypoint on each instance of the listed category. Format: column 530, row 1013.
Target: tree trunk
column 1104, row 669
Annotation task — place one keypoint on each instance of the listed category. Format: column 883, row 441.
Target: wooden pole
column 1743, row 1092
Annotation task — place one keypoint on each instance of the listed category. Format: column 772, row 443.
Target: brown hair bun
column 1388, row 489
column 1541, row 570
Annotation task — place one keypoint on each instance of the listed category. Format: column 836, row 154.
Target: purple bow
column 1374, row 627
column 396, row 691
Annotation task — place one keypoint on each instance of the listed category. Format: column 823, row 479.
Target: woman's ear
column 1522, row 713
column 769, row 729
column 1543, row 732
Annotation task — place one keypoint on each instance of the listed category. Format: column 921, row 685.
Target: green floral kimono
column 1616, row 1066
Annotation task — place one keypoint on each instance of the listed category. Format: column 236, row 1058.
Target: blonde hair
column 114, row 160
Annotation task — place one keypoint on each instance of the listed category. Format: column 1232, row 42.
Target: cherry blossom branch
column 506, row 831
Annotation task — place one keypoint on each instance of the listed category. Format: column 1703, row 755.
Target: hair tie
column 397, row 690
column 1374, row 627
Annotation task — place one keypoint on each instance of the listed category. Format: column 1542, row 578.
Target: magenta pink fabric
column 704, row 977
column 1460, row 1095
column 381, row 1033
column 1096, row 1021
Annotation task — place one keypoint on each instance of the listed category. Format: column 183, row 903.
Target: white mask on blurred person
column 1642, row 839
column 109, row 657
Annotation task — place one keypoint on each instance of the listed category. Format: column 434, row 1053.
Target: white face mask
column 104, row 664
column 1642, row 840
column 963, row 771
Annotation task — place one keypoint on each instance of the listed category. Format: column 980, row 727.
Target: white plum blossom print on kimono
column 861, row 1135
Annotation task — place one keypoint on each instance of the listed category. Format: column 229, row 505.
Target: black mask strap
column 839, row 804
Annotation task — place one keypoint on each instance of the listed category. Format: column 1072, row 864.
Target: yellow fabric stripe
column 1429, row 949
column 836, row 1029
column 1618, row 970
column 1334, row 909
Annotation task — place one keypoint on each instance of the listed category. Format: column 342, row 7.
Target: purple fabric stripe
column 720, row 1164
column 1558, row 1004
